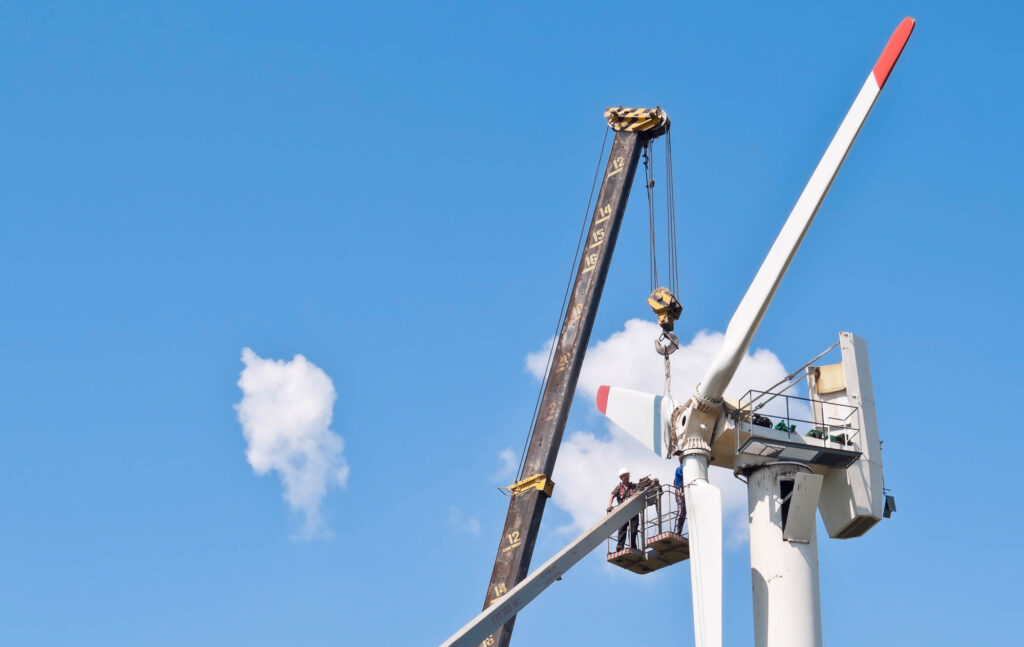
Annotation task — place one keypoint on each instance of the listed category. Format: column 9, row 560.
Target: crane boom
column 551, row 571
column 633, row 128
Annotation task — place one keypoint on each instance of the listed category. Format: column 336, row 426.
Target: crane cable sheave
column 652, row 122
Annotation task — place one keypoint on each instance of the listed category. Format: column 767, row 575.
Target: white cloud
column 286, row 412
column 508, row 466
column 589, row 460
column 461, row 523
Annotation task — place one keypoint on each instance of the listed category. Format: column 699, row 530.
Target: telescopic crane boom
column 633, row 129
column 551, row 571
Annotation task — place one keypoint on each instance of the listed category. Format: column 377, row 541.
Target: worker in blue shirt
column 680, row 500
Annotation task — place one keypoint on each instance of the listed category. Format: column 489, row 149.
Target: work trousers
column 681, row 502
column 633, row 523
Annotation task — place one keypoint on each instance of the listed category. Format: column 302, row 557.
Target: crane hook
column 666, row 344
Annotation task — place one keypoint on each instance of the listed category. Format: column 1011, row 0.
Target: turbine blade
column 644, row 416
column 704, row 514
column 754, row 304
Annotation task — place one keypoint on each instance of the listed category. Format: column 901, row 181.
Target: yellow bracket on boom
column 638, row 120
column 538, row 481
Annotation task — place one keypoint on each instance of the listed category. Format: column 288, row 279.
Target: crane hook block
column 666, row 306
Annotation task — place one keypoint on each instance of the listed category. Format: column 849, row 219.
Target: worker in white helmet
column 623, row 491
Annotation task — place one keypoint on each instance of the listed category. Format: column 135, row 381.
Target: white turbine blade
column 750, row 311
column 704, row 514
column 643, row 416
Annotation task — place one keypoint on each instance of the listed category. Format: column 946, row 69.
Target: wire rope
column 649, row 181
column 670, row 216
column 561, row 311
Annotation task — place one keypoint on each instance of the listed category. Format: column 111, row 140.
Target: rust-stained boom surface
column 633, row 129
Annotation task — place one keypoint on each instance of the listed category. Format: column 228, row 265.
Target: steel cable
column 649, row 181
column 561, row 310
column 670, row 195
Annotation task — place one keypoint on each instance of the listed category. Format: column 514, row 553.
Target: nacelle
column 851, row 500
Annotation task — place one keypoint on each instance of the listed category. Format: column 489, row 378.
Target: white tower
column 787, row 599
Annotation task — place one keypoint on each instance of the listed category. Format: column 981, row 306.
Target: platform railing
column 836, row 424
column 658, row 516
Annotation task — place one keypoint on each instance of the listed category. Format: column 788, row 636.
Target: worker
column 680, row 499
column 623, row 491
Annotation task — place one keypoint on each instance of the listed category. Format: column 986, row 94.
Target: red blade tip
column 602, row 399
column 892, row 51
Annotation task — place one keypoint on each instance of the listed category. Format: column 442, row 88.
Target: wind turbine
column 787, row 608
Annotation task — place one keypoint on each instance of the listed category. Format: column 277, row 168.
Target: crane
column 634, row 128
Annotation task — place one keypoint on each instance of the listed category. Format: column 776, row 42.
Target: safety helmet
column 623, row 471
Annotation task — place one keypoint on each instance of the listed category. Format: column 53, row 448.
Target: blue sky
column 394, row 192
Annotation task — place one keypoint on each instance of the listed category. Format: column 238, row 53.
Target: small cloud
column 286, row 413
column 461, row 523
column 537, row 362
column 508, row 465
